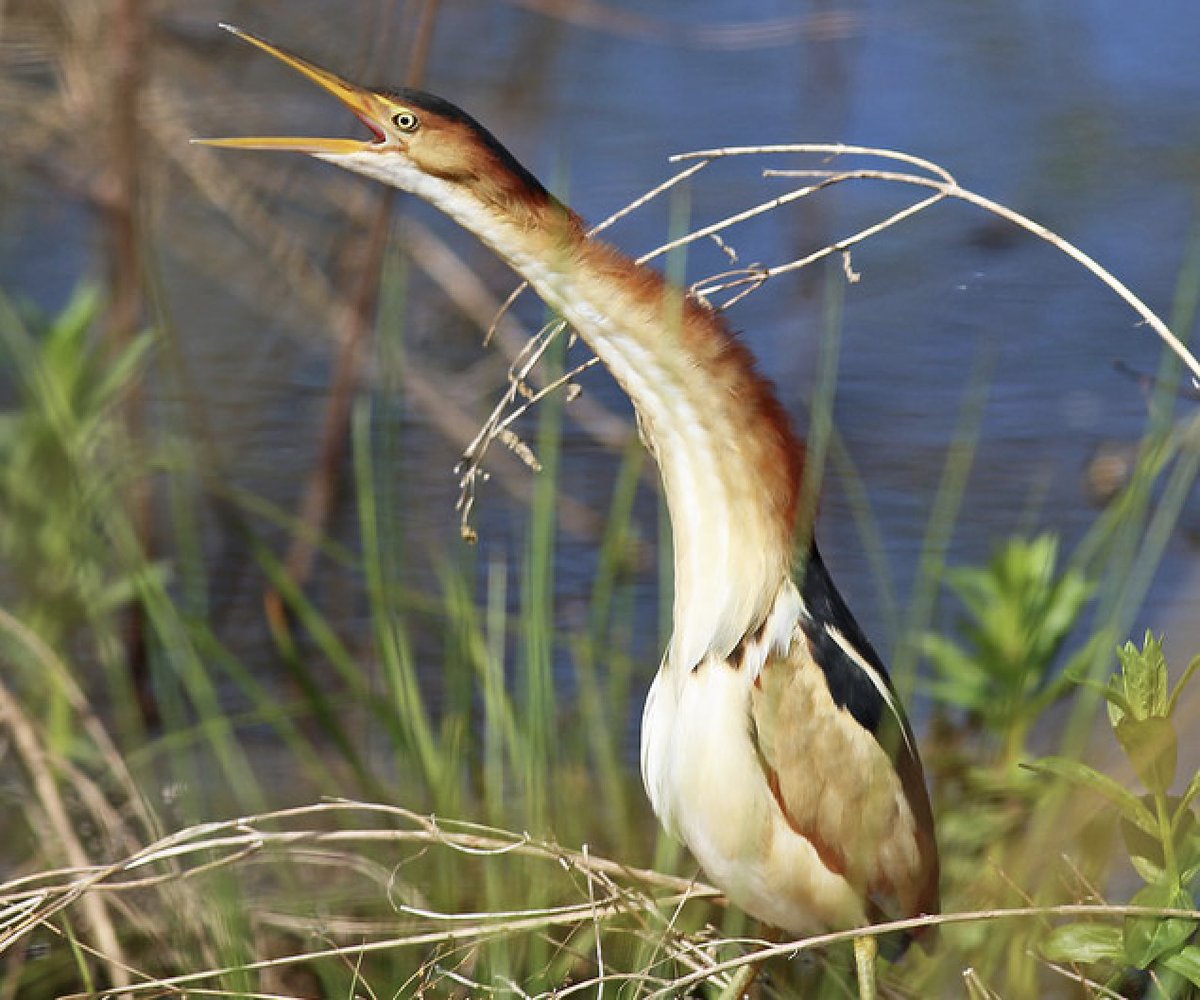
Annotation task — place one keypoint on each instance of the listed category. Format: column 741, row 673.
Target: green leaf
column 1145, row 677
column 1118, row 705
column 1183, row 681
column 1082, row 776
column 1185, row 833
column 1153, row 749
column 1193, row 790
column 1148, row 939
column 971, row 698
column 1084, row 943
column 1187, row 853
column 949, row 658
column 1149, row 869
column 1186, row 963
column 82, row 310
column 122, row 370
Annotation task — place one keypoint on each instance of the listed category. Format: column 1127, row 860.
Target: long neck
column 729, row 461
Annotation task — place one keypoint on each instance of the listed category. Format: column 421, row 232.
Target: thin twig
column 793, row 948
column 745, row 281
column 945, row 184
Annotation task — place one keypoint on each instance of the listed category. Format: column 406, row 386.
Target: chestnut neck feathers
column 729, row 460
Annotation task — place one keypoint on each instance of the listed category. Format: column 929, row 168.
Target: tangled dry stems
column 607, row 890
column 727, row 288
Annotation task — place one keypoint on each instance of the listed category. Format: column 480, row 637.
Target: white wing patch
column 876, row 680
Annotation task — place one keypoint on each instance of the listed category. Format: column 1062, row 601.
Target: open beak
column 369, row 108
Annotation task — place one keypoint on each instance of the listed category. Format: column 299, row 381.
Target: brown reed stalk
column 120, row 205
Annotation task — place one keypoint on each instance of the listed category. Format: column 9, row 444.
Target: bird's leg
column 865, row 950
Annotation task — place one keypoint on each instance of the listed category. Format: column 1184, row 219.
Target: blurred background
column 236, row 385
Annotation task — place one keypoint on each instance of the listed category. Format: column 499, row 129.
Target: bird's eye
column 405, row 121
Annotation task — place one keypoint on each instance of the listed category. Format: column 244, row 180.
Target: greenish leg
column 865, row 949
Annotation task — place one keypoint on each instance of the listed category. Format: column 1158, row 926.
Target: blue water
column 1081, row 115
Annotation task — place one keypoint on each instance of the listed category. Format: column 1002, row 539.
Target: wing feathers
column 839, row 756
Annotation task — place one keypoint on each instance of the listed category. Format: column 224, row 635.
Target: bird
column 773, row 741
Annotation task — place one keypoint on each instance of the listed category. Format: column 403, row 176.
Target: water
column 1081, row 117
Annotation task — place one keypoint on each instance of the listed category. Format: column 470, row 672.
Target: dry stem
column 744, row 281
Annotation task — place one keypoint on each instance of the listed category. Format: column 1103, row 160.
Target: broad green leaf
column 1152, row 748
column 1146, row 850
column 1131, row 807
column 1148, row 939
column 1084, row 943
column 1186, row 963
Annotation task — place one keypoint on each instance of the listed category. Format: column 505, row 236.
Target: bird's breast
column 707, row 785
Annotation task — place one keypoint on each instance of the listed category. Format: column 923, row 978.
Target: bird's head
column 419, row 142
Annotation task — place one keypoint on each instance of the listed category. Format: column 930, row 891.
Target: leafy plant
column 1160, row 832
column 994, row 685
column 57, row 458
column 1020, row 610
column 65, row 468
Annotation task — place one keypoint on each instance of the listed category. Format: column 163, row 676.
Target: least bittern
column 773, row 742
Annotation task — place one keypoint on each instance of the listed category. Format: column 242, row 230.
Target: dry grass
column 344, row 842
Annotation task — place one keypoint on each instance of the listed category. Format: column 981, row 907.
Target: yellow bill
column 364, row 103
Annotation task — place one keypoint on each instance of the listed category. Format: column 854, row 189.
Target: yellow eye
column 405, row 121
